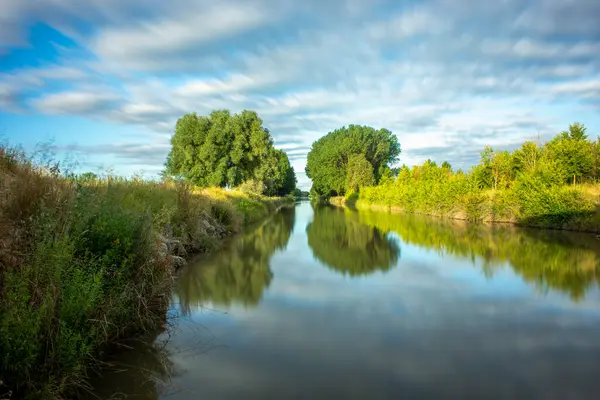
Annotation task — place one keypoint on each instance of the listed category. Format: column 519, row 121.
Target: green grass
column 85, row 263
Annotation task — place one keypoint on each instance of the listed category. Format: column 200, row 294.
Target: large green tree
column 225, row 149
column 328, row 159
column 359, row 173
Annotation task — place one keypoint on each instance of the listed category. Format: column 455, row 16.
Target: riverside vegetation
column 550, row 185
column 88, row 261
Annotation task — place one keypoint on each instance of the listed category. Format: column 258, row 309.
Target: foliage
column 327, row 163
column 277, row 174
column 252, row 186
column 339, row 240
column 359, row 173
column 226, row 150
column 532, row 185
column 87, row 262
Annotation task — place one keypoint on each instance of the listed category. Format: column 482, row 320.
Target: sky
column 104, row 81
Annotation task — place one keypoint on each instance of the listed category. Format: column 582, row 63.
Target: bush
column 252, row 186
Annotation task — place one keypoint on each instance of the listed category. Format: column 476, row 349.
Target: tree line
column 229, row 150
column 536, row 184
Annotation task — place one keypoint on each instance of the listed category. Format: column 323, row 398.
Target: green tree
column 328, row 159
column 483, row 171
column 576, row 131
column 286, row 176
column 359, row 173
column 573, row 153
column 219, row 150
column 87, row 177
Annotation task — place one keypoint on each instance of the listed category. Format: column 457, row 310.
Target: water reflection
column 240, row 272
column 564, row 261
column 339, row 240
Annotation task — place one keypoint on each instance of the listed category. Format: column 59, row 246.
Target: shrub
column 252, row 186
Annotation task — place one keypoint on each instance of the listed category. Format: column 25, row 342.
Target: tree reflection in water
column 239, row 273
column 340, row 241
column 564, row 261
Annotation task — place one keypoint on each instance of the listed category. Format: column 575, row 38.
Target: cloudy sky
column 106, row 80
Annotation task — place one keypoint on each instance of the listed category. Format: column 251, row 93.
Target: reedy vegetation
column 87, row 261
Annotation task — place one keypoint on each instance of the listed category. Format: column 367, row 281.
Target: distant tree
column 328, row 159
column 526, row 158
column 286, row 176
column 277, row 173
column 576, row 131
column 430, row 163
column 596, row 149
column 87, row 177
column 483, row 171
column 446, row 165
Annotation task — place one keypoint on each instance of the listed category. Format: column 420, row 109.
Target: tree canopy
column 328, row 160
column 225, row 149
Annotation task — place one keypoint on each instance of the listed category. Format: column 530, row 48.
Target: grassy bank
column 85, row 263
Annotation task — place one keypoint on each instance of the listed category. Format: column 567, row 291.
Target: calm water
column 321, row 302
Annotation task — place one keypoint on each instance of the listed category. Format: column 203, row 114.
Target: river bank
column 86, row 262
column 572, row 208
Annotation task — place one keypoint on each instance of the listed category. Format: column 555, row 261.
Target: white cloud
column 86, row 103
column 149, row 40
column 585, row 89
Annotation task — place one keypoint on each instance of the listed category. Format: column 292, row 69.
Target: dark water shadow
column 142, row 369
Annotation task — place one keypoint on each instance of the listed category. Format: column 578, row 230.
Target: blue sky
column 106, row 80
